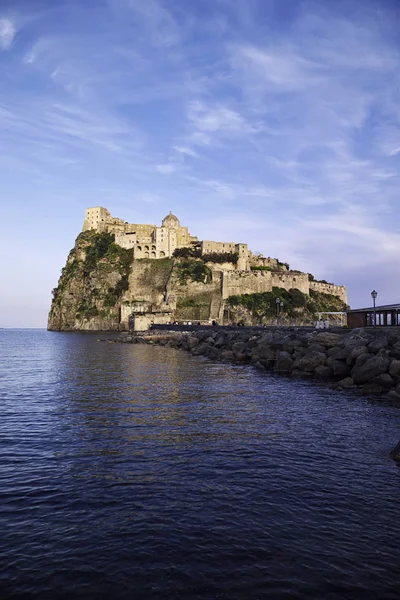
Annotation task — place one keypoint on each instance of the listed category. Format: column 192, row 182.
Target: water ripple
column 141, row 472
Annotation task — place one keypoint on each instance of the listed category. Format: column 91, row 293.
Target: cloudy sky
column 272, row 122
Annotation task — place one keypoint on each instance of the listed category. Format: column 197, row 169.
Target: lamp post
column 278, row 306
column 374, row 294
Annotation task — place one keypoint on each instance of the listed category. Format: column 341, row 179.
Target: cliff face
column 92, row 283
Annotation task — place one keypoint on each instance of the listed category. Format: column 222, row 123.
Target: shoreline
column 358, row 359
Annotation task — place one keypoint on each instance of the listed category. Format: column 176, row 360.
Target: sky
column 271, row 122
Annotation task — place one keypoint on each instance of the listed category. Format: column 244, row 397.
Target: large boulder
column 220, row 341
column 355, row 352
column 395, row 350
column 327, row 339
column 309, row 362
column 346, row 384
column 314, row 347
column 238, row 348
column 385, row 381
column 372, row 367
column 323, row 373
column 340, row 368
column 226, row 355
column 394, row 368
column 284, row 362
column 378, row 343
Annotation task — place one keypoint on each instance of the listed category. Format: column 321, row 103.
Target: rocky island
column 123, row 276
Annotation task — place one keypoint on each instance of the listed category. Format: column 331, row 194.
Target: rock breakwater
column 359, row 359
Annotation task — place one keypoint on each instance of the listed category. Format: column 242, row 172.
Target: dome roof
column 171, row 221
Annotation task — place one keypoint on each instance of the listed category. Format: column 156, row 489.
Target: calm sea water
column 140, row 472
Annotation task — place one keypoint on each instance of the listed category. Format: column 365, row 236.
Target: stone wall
column 289, row 281
column 330, row 288
column 254, row 282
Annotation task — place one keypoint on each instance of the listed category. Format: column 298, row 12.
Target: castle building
column 251, row 273
column 147, row 241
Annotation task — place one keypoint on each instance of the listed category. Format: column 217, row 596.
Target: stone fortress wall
column 152, row 241
column 235, row 283
column 330, row 288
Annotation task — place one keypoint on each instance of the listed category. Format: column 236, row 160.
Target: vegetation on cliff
column 262, row 306
column 193, row 270
column 92, row 282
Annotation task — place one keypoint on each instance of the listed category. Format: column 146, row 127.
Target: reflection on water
column 143, row 472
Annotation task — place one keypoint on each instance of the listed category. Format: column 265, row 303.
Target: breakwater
column 360, row 359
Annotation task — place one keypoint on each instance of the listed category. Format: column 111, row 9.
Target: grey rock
column 334, row 351
column 355, row 353
column 260, row 366
column 193, row 342
column 371, row 388
column 395, row 350
column 264, row 351
column 227, row 355
column 379, row 343
column 394, row 368
column 346, row 383
column 340, row 368
column 328, row 339
column 394, row 394
column 323, row 373
column 238, row 348
column 374, row 366
column 284, row 362
column 310, row 361
column 220, row 341
column 200, row 349
column 314, row 347
column 385, row 381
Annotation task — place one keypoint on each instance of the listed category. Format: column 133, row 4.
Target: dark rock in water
column 310, row 361
column 395, row 453
column 346, row 384
column 371, row 388
column 340, row 368
column 323, row 373
column 371, row 368
column 385, row 381
column 284, row 362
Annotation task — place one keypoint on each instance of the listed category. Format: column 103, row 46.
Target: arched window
column 153, row 248
column 153, row 255
column 139, row 248
column 146, row 248
column 162, row 254
column 146, row 255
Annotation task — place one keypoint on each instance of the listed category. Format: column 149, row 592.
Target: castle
column 251, row 273
column 151, row 241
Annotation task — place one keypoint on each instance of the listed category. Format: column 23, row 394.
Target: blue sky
column 271, row 122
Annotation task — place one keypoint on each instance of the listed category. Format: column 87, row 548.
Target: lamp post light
column 374, row 294
column 278, row 306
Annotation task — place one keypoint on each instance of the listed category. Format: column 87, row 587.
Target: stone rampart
column 330, row 288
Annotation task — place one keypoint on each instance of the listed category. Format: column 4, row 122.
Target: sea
column 140, row 472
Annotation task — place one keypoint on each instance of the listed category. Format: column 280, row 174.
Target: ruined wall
column 330, row 288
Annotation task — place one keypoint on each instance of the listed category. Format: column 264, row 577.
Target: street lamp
column 374, row 294
column 278, row 306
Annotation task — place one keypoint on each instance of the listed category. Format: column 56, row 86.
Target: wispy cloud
column 7, row 33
